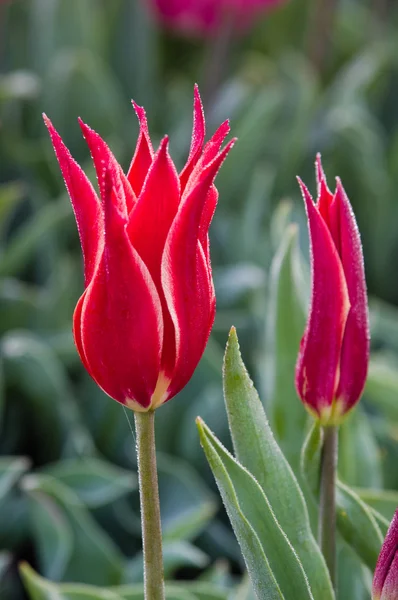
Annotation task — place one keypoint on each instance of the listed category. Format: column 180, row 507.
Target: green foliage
column 68, row 495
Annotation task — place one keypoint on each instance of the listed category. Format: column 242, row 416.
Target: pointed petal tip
column 140, row 112
column 163, row 146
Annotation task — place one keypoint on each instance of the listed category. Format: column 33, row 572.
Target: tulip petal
column 210, row 151
column 390, row 588
column 186, row 280
column 355, row 349
column 121, row 326
column 143, row 155
column 385, row 577
column 149, row 225
column 85, row 203
column 205, row 222
column 325, row 196
column 77, row 315
column 102, row 155
column 318, row 361
column 198, row 136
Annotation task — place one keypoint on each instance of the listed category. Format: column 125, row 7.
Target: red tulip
column 385, row 580
column 143, row 321
column 334, row 352
column 202, row 17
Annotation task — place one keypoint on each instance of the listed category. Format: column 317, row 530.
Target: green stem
column 327, row 502
column 150, row 507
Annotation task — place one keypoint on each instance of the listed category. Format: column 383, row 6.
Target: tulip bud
column 204, row 17
column 334, row 352
column 385, row 580
column 143, row 321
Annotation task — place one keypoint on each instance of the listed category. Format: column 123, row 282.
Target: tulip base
column 327, row 501
column 150, row 507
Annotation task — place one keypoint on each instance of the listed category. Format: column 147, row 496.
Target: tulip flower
column 385, row 580
column 204, row 17
column 145, row 316
column 334, row 352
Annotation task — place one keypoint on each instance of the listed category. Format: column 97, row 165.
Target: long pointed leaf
column 251, row 514
column 257, row 450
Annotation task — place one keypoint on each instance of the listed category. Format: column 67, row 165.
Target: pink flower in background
column 201, row 17
column 385, row 580
column 334, row 353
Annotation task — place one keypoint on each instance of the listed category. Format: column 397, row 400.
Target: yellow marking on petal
column 158, row 397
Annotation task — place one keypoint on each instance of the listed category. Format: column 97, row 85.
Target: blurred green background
column 292, row 86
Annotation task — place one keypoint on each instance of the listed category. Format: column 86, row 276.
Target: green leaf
column 265, row 547
column 381, row 388
column 383, row 501
column 188, row 503
column 311, row 458
column 175, row 556
column 39, row 588
column 52, row 534
column 50, row 218
column 95, row 481
column 5, row 562
column 257, row 450
column 11, row 470
column 357, row 439
column 285, row 328
column 357, row 525
column 351, row 584
column 32, row 368
column 245, row 590
column 94, row 559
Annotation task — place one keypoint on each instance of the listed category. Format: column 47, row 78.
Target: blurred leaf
column 357, row 525
column 236, row 281
column 94, row 558
column 381, row 389
column 40, row 589
column 5, row 561
column 61, row 24
column 285, row 327
column 187, row 504
column 383, row 501
column 356, row 439
column 11, row 470
column 383, row 326
column 94, row 481
column 19, row 85
column 176, row 555
column 10, row 195
column 245, row 591
column 34, row 369
column 267, row 552
column 21, row 303
column 52, row 533
column 311, row 458
column 351, row 581
column 257, row 450
column 49, row 218
column 259, row 113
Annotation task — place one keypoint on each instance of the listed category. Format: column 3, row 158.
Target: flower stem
column 327, row 502
column 150, row 507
